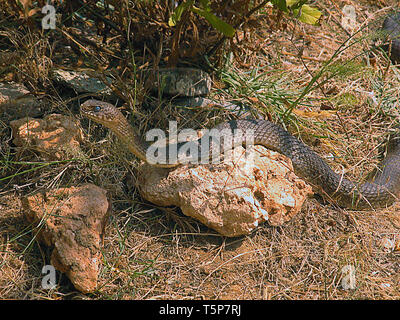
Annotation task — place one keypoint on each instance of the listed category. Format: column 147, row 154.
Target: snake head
column 102, row 112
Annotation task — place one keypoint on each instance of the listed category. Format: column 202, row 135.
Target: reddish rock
column 72, row 220
column 54, row 136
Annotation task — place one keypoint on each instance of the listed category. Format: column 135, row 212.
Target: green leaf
column 295, row 4
column 280, row 4
column 216, row 22
column 177, row 14
column 205, row 5
column 308, row 14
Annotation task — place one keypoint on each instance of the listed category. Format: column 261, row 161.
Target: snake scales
column 306, row 163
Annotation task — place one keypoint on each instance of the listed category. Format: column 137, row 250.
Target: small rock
column 53, row 136
column 82, row 82
column 232, row 197
column 16, row 101
column 183, row 82
column 72, row 220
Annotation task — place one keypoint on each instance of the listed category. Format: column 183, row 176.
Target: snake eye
column 97, row 108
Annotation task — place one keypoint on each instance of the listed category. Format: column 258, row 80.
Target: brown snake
column 383, row 191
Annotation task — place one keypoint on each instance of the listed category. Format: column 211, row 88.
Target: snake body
column 383, row 191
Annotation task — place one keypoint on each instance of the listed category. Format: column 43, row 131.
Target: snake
column 307, row 164
column 382, row 191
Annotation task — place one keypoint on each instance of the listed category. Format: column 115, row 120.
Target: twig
column 303, row 57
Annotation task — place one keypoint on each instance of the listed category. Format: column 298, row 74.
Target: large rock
column 54, row 136
column 72, row 221
column 232, row 197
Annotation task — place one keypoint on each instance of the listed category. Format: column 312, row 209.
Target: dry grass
column 153, row 252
